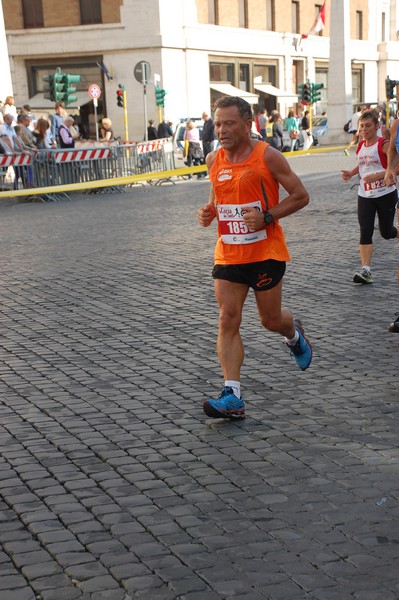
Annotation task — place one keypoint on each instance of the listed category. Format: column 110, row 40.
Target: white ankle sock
column 294, row 339
column 235, row 385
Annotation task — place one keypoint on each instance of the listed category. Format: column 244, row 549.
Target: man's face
column 8, row 119
column 368, row 128
column 231, row 129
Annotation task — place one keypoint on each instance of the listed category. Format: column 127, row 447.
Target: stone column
column 339, row 73
column 5, row 79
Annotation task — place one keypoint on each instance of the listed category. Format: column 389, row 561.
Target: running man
column 390, row 179
column 251, row 251
column 374, row 196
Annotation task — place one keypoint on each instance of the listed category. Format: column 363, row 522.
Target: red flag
column 319, row 23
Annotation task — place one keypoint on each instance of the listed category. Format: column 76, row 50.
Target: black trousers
column 384, row 207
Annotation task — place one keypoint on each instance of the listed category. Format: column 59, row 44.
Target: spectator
column 23, row 173
column 26, row 109
column 106, row 131
column 306, row 133
column 291, row 125
column 152, row 132
column 26, row 135
column 194, row 152
column 9, row 108
column 8, row 136
column 67, row 140
column 164, row 130
column 43, row 135
column 57, row 120
column 262, row 120
column 274, row 131
column 208, row 134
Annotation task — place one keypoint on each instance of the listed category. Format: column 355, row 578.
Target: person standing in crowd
column 106, row 131
column 26, row 109
column 9, row 108
column 306, row 133
column 152, row 132
column 251, row 251
column 43, row 135
column 67, row 140
column 262, row 120
column 57, row 119
column 194, row 151
column 274, row 131
column 374, row 196
column 291, row 125
column 164, row 130
column 26, row 135
column 390, row 179
column 9, row 139
column 208, row 134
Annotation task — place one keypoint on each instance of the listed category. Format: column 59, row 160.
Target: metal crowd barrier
column 56, row 167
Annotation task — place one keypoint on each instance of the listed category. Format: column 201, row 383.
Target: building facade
column 198, row 50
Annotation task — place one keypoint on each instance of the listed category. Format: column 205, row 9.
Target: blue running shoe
column 302, row 351
column 226, row 406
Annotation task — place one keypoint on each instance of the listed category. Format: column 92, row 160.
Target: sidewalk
column 115, row 486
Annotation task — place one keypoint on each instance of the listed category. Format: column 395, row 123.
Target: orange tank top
column 236, row 187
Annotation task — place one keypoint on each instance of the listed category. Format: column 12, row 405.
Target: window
column 383, row 30
column 243, row 13
column 359, row 25
column 322, row 77
column 33, row 13
column 243, row 84
column 295, row 17
column 222, row 72
column 270, row 15
column 317, row 9
column 265, row 74
column 357, row 86
column 90, row 11
column 213, row 12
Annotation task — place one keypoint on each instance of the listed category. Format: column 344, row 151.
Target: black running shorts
column 260, row 276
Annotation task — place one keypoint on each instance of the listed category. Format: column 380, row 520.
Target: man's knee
column 229, row 320
column 271, row 323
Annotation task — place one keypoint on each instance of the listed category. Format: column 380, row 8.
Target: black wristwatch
column 268, row 217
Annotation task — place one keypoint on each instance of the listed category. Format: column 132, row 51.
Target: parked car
column 320, row 126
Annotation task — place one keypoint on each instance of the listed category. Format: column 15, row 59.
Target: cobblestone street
column 114, row 484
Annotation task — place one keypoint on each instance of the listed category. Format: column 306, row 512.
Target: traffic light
column 307, row 94
column 60, row 88
column 315, row 89
column 389, row 88
column 55, row 86
column 120, row 96
column 304, row 91
column 300, row 89
column 69, row 88
column 160, row 96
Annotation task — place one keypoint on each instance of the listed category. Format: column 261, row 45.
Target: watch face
column 268, row 218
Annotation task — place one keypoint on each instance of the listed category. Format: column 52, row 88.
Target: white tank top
column 369, row 160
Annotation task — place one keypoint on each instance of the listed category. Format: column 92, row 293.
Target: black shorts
column 260, row 276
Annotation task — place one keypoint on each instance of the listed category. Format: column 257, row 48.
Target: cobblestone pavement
column 115, row 486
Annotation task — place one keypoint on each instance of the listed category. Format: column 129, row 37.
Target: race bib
column 233, row 228
column 374, row 186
